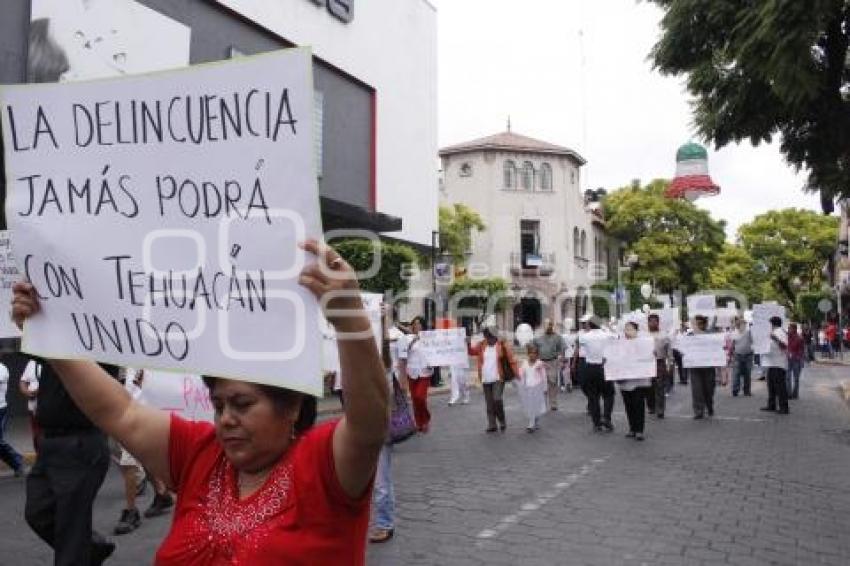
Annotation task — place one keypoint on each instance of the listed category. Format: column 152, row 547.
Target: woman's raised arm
column 362, row 431
column 143, row 431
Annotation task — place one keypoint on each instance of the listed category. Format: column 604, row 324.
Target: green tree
column 477, row 292
column 757, row 69
column 396, row 260
column 676, row 242
column 456, row 225
column 735, row 269
column 792, row 245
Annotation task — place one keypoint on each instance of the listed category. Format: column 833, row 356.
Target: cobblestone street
column 744, row 488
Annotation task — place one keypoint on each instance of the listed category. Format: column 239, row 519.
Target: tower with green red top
column 692, row 179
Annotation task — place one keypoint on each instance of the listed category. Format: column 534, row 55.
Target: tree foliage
column 396, row 260
column 735, row 269
column 790, row 244
column 676, row 242
column 476, row 293
column 456, row 225
column 757, row 69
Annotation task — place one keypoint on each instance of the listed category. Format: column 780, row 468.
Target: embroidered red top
column 300, row 516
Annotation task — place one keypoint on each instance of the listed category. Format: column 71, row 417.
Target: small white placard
column 445, row 347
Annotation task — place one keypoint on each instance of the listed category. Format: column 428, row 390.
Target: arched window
column 510, row 175
column 527, row 176
column 545, row 177
column 576, row 242
column 583, row 243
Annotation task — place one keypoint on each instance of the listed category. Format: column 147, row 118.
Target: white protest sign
column 669, row 319
column 330, row 349
column 181, row 393
column 8, row 276
column 445, row 347
column 702, row 350
column 158, row 216
column 761, row 328
column 630, row 359
column 702, row 304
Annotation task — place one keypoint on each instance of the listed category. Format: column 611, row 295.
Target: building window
column 576, row 242
column 546, row 177
column 466, row 170
column 510, row 175
column 527, row 176
column 529, row 242
column 583, row 244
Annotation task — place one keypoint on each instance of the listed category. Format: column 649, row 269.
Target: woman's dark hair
column 633, row 324
column 47, row 60
column 421, row 320
column 283, row 399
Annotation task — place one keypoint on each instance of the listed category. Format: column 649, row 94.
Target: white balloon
column 524, row 334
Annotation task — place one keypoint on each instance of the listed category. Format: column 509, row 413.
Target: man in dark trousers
column 776, row 362
column 70, row 467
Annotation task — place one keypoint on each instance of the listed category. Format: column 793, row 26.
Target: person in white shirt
column 532, row 387
column 28, row 385
column 496, row 365
column 8, row 454
column 592, row 345
column 776, row 362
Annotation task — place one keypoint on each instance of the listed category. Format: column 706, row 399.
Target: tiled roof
column 509, row 141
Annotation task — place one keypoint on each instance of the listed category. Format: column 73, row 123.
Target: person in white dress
column 532, row 388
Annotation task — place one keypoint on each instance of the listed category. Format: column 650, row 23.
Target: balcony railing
column 528, row 264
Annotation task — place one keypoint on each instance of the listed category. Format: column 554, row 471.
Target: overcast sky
column 575, row 73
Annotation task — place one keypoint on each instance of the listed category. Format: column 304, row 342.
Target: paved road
column 745, row 488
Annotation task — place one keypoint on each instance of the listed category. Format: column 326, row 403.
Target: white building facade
column 542, row 235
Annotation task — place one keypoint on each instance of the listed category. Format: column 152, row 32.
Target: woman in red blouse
column 260, row 486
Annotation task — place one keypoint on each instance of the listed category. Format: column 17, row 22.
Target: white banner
column 158, row 215
column 445, row 347
column 630, row 359
column 761, row 328
column 702, row 350
column 9, row 274
column 181, row 393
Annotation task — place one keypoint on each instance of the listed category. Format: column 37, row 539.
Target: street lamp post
column 631, row 261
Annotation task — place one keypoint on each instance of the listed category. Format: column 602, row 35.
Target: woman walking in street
column 416, row 370
column 634, row 393
column 496, row 364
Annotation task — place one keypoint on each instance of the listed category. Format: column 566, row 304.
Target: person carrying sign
column 592, row 344
column 703, row 379
column 633, row 392
column 496, row 364
column 776, row 362
column 262, row 485
column 550, row 346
